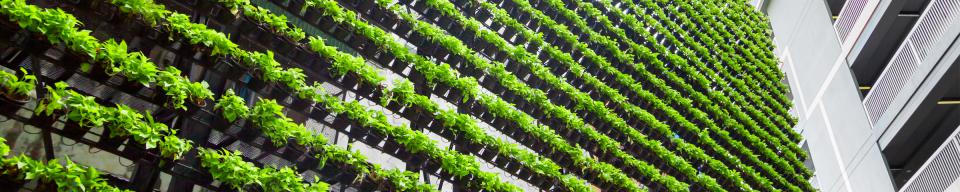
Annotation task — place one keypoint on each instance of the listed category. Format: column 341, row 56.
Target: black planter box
column 108, row 142
column 74, row 130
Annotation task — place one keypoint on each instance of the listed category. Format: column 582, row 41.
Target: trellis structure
column 462, row 95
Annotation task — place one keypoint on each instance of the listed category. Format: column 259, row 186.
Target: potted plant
column 232, row 107
column 16, row 90
column 199, row 93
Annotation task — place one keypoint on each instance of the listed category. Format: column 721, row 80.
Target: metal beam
column 909, row 14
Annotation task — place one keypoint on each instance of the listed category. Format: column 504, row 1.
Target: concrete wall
column 843, row 148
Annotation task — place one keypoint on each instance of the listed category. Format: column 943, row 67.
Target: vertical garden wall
column 394, row 95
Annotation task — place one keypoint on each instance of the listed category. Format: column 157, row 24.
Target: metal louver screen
column 891, row 81
column 929, row 29
column 940, row 16
column 848, row 17
column 938, row 172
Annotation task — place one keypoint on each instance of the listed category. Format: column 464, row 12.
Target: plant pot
column 365, row 89
column 194, row 105
column 330, row 169
column 13, row 100
column 489, row 153
column 248, row 133
column 98, row 72
column 303, row 105
column 74, row 130
column 11, row 179
column 268, row 145
column 257, row 84
column 132, row 86
column 108, row 142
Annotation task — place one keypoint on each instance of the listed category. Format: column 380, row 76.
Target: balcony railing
column 940, row 171
column 848, row 17
column 929, row 29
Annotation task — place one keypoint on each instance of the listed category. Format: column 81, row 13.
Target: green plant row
column 791, row 156
column 68, row 176
column 739, row 85
column 782, row 164
column 434, row 73
column 232, row 172
column 593, row 81
column 782, row 122
column 652, row 58
column 59, row 27
column 73, row 178
column 498, row 70
column 758, row 36
column 344, row 63
column 596, row 13
column 230, row 168
column 268, row 116
column 278, row 23
column 781, row 98
column 700, row 48
column 279, row 128
column 270, row 70
column 403, row 93
column 768, row 74
column 524, row 57
column 624, row 79
column 612, row 47
column 685, row 102
column 125, row 116
column 470, row 87
column 14, row 86
column 751, row 51
column 462, row 124
column 735, row 64
column 790, row 151
column 122, row 121
column 733, row 58
column 767, row 57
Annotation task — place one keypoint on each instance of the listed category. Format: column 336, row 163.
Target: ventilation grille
column 848, row 17
column 898, row 72
column 938, row 172
column 929, row 30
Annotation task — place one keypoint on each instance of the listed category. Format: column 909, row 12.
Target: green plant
column 135, row 66
column 232, row 106
column 173, row 87
column 261, row 63
column 268, row 115
column 17, row 87
column 66, row 177
column 84, row 109
column 53, row 102
column 122, row 121
column 199, row 93
column 4, row 149
column 277, row 22
column 230, row 168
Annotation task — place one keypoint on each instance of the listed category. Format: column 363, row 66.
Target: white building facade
column 875, row 86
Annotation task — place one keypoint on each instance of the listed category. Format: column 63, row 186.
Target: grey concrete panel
column 871, row 174
column 846, row 114
column 821, row 149
column 785, row 16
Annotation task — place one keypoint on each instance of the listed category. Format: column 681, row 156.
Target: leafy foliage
column 230, row 168
column 17, row 86
column 233, row 106
column 67, row 177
